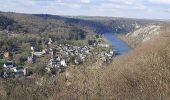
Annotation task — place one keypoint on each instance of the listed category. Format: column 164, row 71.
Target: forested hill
column 80, row 23
column 65, row 26
column 9, row 24
column 43, row 23
column 103, row 24
column 119, row 25
column 31, row 24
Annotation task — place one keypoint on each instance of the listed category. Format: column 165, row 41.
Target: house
column 112, row 52
column 19, row 70
column 6, row 55
column 49, row 41
column 63, row 63
column 32, row 48
column 103, row 45
column 58, row 58
column 53, row 63
column 8, row 64
column 30, row 60
column 39, row 54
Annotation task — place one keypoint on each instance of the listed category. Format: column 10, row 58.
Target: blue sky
column 152, row 9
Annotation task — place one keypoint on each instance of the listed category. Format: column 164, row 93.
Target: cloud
column 123, row 8
column 167, row 10
column 85, row 1
column 160, row 1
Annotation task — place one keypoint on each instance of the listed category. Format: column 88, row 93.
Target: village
column 60, row 56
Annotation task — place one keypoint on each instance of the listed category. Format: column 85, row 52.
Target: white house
column 63, row 63
column 38, row 53
column 19, row 70
column 32, row 48
column 50, row 41
column 104, row 45
column 8, row 64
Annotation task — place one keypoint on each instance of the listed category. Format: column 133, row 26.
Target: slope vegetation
column 143, row 74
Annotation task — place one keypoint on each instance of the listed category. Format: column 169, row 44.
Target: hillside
column 31, row 28
column 54, row 68
column 9, row 24
column 119, row 25
column 36, row 25
column 83, row 24
column 17, row 28
column 44, row 23
column 143, row 34
column 141, row 74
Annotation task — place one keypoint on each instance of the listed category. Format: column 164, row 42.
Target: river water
column 119, row 46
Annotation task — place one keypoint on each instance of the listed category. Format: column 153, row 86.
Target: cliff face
column 143, row 34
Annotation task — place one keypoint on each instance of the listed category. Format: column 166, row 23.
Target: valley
column 51, row 57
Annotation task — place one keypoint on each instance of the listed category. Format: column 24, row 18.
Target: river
column 119, row 46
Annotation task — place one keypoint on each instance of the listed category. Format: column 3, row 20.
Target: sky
column 150, row 9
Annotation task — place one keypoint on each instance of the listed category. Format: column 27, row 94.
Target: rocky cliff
column 143, row 34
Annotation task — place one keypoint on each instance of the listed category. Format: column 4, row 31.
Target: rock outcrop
column 144, row 34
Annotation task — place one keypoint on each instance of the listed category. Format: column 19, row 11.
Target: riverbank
column 124, row 39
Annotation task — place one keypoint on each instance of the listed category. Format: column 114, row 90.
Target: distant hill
column 32, row 24
column 80, row 23
column 44, row 23
column 119, row 25
column 9, row 24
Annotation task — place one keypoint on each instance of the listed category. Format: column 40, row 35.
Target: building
column 19, row 71
column 6, row 55
column 8, row 64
